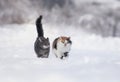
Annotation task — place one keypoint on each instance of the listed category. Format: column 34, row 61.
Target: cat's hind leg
column 61, row 57
column 56, row 56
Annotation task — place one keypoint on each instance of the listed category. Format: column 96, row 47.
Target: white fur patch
column 45, row 47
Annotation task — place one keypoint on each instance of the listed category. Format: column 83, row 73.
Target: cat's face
column 44, row 42
column 65, row 40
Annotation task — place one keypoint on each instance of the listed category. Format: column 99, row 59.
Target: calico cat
column 61, row 46
column 42, row 44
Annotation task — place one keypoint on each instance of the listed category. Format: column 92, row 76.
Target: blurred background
column 93, row 16
column 94, row 28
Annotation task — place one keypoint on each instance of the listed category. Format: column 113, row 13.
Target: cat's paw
column 65, row 54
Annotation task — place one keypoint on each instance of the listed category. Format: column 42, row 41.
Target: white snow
column 92, row 58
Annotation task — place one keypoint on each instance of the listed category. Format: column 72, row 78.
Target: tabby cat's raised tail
column 39, row 27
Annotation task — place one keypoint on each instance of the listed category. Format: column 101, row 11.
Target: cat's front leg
column 60, row 55
column 66, row 54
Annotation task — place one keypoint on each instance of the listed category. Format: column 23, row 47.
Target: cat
column 42, row 44
column 61, row 46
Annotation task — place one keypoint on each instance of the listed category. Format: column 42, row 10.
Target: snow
column 92, row 57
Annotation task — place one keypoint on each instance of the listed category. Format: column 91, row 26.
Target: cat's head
column 40, row 16
column 65, row 40
column 44, row 42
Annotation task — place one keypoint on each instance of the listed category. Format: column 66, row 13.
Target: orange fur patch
column 63, row 39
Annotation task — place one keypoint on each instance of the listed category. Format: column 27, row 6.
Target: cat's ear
column 47, row 38
column 60, row 38
column 69, row 38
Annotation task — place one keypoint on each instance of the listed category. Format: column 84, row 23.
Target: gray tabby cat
column 42, row 44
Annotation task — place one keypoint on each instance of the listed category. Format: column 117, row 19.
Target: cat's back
column 54, row 45
column 37, row 45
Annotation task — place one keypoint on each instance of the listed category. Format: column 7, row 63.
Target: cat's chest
column 63, row 47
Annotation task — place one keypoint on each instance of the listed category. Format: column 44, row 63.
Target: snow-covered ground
column 92, row 58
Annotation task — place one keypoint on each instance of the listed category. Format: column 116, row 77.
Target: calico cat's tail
column 39, row 27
